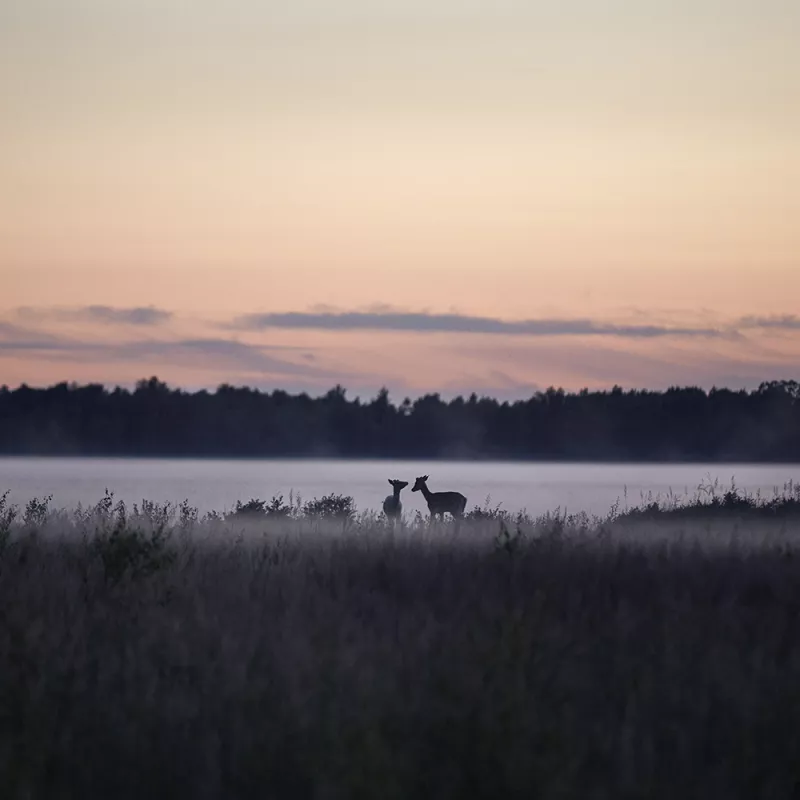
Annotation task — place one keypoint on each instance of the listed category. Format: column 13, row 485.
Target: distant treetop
column 679, row 424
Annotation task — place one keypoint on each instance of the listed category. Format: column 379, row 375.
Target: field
column 289, row 652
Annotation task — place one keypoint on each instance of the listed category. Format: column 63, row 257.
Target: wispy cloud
column 225, row 353
column 18, row 338
column 574, row 365
column 423, row 322
column 203, row 353
column 786, row 322
column 143, row 316
column 505, row 359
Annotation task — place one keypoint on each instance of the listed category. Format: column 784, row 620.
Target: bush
column 258, row 509
column 487, row 512
column 252, row 508
column 130, row 546
column 711, row 502
column 133, row 553
column 8, row 513
column 340, row 508
column 37, row 511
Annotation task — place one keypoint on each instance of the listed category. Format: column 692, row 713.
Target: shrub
column 36, row 511
column 130, row 548
column 337, row 507
column 710, row 502
column 188, row 515
column 254, row 508
column 487, row 512
column 506, row 541
column 8, row 513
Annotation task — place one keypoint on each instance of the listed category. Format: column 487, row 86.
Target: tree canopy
column 679, row 424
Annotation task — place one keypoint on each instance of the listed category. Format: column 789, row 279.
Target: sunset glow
column 497, row 197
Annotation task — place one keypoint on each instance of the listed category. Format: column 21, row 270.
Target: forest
column 153, row 419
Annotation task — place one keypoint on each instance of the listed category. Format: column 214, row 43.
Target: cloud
column 11, row 333
column 786, row 322
column 423, row 322
column 226, row 353
column 574, row 365
column 514, row 365
column 203, row 353
column 18, row 338
column 144, row 316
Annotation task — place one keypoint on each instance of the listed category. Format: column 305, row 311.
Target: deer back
column 446, row 500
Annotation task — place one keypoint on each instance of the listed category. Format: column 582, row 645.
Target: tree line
column 679, row 424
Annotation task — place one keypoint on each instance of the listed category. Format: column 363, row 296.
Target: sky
column 430, row 195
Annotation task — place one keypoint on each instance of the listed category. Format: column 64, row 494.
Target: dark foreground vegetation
column 314, row 653
column 681, row 424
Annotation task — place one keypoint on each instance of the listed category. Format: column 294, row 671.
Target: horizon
column 394, row 399
column 433, row 197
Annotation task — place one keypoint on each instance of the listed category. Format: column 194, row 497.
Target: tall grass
column 145, row 652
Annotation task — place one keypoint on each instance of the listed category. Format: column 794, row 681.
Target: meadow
column 304, row 650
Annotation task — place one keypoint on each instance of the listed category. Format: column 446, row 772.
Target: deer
column 392, row 506
column 441, row 502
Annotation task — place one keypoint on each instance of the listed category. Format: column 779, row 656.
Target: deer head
column 419, row 483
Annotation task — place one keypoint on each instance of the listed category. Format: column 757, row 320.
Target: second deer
column 441, row 502
column 392, row 506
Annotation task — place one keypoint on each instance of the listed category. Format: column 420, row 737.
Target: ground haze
column 216, row 484
column 147, row 652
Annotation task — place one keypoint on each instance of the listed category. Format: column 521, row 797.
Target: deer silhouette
column 441, row 502
column 392, row 506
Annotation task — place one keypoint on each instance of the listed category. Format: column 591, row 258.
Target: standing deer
column 441, row 502
column 392, row 506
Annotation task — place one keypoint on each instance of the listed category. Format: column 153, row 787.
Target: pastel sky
column 432, row 195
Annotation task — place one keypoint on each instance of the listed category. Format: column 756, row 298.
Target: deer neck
column 396, row 490
column 426, row 492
